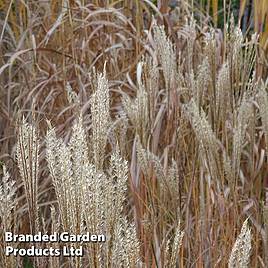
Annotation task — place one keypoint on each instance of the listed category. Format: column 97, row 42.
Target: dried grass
column 150, row 131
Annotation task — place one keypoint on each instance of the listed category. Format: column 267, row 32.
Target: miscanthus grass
column 153, row 134
column 91, row 198
column 28, row 163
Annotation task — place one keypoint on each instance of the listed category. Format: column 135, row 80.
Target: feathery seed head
column 166, row 53
column 240, row 255
column 100, row 109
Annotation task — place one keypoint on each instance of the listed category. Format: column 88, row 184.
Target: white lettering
column 9, row 250
column 64, row 237
column 8, row 236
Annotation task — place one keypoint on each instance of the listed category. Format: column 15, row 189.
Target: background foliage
column 178, row 89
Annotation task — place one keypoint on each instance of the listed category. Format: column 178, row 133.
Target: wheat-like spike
column 157, row 166
column 118, row 253
column 115, row 194
column 119, row 176
column 120, row 131
column 248, row 59
column 166, row 53
column 166, row 253
column 60, row 165
column 190, row 29
column 210, row 48
column 126, row 246
column 223, row 98
column 167, row 182
column 100, row 107
column 7, row 199
column 242, row 119
column 151, row 84
column 204, row 135
column 201, row 126
column 235, row 40
column 240, row 255
column 93, row 192
column 28, row 163
column 54, row 150
column 132, row 245
column 79, row 150
column 173, row 178
column 202, row 81
column 97, row 193
column 79, row 161
column 142, row 156
column 67, row 187
column 8, row 202
column 227, row 167
column 176, row 246
column 142, row 104
column 138, row 111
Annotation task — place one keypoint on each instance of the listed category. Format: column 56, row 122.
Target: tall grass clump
column 91, row 198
